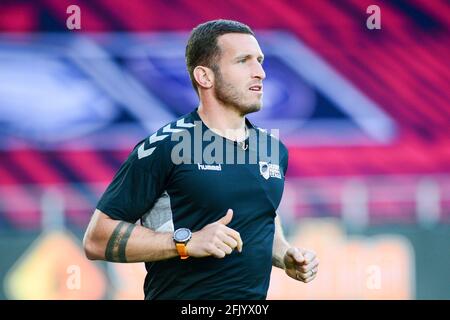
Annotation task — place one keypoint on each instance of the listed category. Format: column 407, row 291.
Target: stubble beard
column 230, row 96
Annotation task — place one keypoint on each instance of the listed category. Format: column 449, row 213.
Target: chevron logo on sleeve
column 142, row 152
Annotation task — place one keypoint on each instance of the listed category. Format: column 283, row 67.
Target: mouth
column 256, row 88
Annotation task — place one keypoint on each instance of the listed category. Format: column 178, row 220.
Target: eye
column 242, row 60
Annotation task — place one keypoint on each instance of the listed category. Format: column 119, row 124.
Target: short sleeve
column 139, row 182
column 285, row 158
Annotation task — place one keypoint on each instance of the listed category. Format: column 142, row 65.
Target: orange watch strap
column 182, row 251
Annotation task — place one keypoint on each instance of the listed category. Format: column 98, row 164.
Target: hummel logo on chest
column 209, row 167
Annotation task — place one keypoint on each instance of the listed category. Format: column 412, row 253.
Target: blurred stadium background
column 365, row 114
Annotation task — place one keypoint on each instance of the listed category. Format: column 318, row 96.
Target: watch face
column 182, row 235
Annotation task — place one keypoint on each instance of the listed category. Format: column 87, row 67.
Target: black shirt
column 167, row 187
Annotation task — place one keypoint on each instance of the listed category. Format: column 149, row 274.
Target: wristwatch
column 181, row 237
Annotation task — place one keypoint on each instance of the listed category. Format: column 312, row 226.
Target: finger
column 236, row 236
column 308, row 267
column 227, row 218
column 306, row 277
column 307, row 274
column 229, row 241
column 301, row 276
column 296, row 255
column 216, row 252
column 309, row 256
column 311, row 274
column 223, row 247
column 309, row 279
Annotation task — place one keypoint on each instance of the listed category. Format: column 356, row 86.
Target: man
column 208, row 231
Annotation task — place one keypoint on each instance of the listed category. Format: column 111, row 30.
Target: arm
column 136, row 186
column 299, row 264
column 280, row 245
column 120, row 241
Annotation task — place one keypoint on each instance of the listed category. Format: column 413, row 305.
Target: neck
column 223, row 120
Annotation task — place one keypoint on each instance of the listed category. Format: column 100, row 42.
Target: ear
column 204, row 77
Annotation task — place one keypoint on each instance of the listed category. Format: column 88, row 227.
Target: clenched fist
column 301, row 264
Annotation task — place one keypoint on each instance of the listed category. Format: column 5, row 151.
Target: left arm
column 299, row 264
column 280, row 245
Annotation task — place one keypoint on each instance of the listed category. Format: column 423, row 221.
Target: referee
column 208, row 227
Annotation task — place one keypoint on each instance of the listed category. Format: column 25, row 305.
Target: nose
column 258, row 71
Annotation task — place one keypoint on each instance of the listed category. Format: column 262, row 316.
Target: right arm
column 137, row 185
column 120, row 241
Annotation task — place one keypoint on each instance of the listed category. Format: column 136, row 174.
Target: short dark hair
column 202, row 48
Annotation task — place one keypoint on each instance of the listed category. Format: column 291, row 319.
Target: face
column 239, row 74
